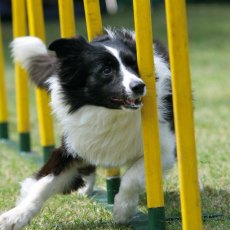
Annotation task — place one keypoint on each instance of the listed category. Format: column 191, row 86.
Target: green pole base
column 47, row 151
column 112, row 185
column 24, row 142
column 4, row 130
column 156, row 218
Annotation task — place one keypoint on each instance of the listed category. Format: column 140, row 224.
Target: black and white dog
column 96, row 94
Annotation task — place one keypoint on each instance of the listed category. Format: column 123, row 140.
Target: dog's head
column 102, row 73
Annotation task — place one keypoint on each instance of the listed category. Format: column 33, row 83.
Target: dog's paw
column 124, row 209
column 14, row 219
column 85, row 191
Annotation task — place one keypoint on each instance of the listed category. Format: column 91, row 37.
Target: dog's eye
column 107, row 70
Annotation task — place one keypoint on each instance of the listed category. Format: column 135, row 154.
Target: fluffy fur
column 96, row 96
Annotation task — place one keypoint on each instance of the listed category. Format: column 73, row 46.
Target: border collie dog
column 96, row 95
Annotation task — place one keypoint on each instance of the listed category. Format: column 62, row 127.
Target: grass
column 209, row 32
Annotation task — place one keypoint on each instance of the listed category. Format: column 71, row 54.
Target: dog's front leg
column 30, row 204
column 60, row 175
column 132, row 184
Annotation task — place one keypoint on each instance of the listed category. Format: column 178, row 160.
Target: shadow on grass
column 215, row 209
column 215, row 204
column 90, row 225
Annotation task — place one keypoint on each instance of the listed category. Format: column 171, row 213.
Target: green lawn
column 209, row 32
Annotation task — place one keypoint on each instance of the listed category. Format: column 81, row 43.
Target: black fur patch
column 58, row 162
column 87, row 170
column 61, row 160
column 74, row 185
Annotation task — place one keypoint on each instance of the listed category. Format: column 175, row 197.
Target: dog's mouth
column 128, row 103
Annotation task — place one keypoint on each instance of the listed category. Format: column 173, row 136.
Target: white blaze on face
column 128, row 76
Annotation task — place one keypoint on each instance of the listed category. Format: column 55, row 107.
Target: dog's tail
column 33, row 55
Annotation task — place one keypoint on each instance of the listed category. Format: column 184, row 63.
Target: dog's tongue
column 130, row 101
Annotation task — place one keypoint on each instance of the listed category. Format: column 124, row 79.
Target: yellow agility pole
column 67, row 20
column 144, row 45
column 36, row 27
column 93, row 18
column 21, row 78
column 183, row 110
column 3, row 100
column 94, row 28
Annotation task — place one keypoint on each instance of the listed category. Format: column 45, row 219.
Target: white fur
column 25, row 48
column 27, row 207
column 33, row 194
column 128, row 76
column 26, row 185
column 163, row 73
column 112, row 34
column 126, row 201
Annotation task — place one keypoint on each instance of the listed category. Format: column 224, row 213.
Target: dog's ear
column 68, row 46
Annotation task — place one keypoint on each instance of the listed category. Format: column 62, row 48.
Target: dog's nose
column 137, row 87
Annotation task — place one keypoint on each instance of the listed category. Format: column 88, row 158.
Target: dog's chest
column 104, row 137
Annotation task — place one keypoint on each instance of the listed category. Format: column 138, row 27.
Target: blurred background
column 109, row 6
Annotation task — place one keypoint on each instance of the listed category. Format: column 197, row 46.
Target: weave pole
column 67, row 20
column 94, row 28
column 183, row 112
column 112, row 183
column 36, row 27
column 93, row 18
column 3, row 100
column 150, row 131
column 21, row 79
